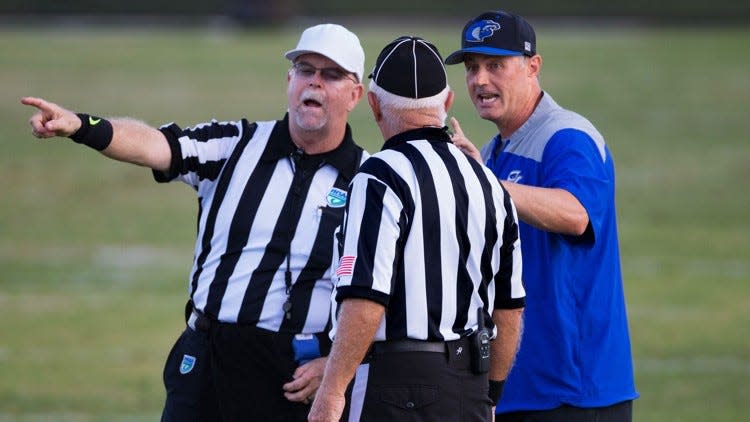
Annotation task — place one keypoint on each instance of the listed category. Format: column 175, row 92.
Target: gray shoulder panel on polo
column 548, row 118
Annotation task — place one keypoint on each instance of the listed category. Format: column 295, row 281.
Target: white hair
column 398, row 102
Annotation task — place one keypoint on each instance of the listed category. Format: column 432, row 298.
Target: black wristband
column 94, row 132
column 496, row 390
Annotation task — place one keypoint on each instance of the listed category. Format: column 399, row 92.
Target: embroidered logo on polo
column 336, row 198
column 515, row 176
column 481, row 30
column 187, row 365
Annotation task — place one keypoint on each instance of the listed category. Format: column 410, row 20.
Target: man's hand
column 306, row 381
column 51, row 119
column 327, row 408
column 462, row 142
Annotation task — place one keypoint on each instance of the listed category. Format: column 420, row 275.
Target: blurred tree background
column 259, row 12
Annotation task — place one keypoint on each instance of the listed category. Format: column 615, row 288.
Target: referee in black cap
column 430, row 266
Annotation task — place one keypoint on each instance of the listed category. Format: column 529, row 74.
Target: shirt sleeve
column 198, row 153
column 509, row 289
column 371, row 233
column 572, row 161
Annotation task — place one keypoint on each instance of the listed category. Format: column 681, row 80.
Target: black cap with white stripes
column 410, row 67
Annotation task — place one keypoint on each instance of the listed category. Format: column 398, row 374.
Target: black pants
column 191, row 395
column 231, row 373
column 418, row 386
column 620, row 412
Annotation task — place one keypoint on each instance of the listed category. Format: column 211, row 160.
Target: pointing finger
column 456, row 127
column 51, row 119
column 35, row 102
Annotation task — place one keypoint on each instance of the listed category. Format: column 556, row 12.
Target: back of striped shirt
column 432, row 235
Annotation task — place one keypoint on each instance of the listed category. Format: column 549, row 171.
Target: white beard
column 311, row 120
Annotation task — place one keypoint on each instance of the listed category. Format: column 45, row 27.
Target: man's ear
column 374, row 106
column 449, row 101
column 357, row 93
column 535, row 65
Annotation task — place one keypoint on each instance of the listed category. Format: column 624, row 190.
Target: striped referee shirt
column 266, row 217
column 430, row 234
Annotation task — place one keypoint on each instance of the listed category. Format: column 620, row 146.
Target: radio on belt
column 480, row 346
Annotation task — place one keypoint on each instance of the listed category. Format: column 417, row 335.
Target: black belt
column 410, row 345
column 199, row 322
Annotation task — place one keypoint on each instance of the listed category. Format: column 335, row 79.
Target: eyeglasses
column 329, row 74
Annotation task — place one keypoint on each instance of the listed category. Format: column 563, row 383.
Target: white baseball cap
column 335, row 42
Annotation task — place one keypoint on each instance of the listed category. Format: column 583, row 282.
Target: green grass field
column 95, row 255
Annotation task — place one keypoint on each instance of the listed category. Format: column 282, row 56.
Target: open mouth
column 486, row 98
column 312, row 103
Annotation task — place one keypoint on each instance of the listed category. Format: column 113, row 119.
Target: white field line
column 126, row 257
column 710, row 269
column 696, row 365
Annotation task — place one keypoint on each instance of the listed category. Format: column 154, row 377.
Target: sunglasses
column 328, row 74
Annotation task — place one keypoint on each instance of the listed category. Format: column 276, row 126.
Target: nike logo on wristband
column 93, row 121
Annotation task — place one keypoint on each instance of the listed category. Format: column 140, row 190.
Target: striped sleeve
column 371, row 232
column 200, row 152
column 509, row 290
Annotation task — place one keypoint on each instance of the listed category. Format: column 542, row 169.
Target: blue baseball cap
column 496, row 33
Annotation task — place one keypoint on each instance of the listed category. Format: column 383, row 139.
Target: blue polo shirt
column 575, row 348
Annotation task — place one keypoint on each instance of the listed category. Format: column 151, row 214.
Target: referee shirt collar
column 433, row 134
column 345, row 158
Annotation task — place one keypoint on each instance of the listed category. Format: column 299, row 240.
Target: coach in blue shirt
column 574, row 361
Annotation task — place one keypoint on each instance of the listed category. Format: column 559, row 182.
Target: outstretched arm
column 132, row 141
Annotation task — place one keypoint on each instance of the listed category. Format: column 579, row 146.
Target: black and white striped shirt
column 430, row 234
column 265, row 209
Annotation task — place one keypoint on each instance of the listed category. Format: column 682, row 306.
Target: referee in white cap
column 270, row 196
column 430, row 267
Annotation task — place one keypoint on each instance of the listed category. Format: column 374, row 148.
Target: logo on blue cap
column 480, row 30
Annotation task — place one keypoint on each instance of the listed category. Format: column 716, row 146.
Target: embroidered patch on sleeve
column 346, row 265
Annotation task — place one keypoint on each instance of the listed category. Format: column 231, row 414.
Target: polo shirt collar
column 435, row 134
column 540, row 113
column 345, row 158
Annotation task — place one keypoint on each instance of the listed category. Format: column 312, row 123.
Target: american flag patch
column 346, row 265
